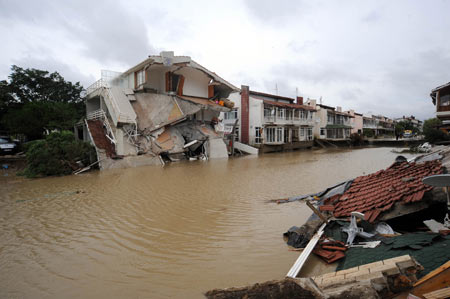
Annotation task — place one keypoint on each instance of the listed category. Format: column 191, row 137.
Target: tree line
column 35, row 102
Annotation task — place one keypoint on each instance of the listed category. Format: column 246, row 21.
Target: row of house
column 272, row 122
column 168, row 108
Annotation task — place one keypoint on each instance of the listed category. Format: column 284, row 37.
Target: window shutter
column 210, row 91
column 167, row 81
column 180, row 86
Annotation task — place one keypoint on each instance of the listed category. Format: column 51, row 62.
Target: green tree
column 36, row 101
column 431, row 131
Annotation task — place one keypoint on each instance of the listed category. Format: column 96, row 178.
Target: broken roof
column 430, row 250
column 287, row 105
column 206, row 103
column 378, row 192
column 167, row 58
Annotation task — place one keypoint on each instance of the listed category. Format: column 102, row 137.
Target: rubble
column 288, row 288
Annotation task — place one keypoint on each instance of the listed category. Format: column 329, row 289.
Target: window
column 286, row 135
column 309, row 134
column 311, row 115
column 236, row 133
column 233, row 114
column 281, row 113
column 258, row 135
column 445, row 100
column 302, row 132
column 295, row 135
column 270, row 134
column 289, row 114
column 279, row 134
column 302, row 114
column 139, row 78
column 330, row 119
column 296, row 114
column 322, row 131
column 174, row 83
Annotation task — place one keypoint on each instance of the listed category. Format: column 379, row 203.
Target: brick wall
column 244, row 114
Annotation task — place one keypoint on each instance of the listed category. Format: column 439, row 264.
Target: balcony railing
column 286, row 121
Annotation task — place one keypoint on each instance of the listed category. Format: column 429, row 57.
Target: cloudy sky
column 380, row 57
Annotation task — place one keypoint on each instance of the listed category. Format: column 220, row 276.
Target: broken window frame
column 139, row 78
column 172, row 86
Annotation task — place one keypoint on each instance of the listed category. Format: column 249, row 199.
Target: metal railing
column 106, row 90
column 101, row 115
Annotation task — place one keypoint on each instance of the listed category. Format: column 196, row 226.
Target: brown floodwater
column 158, row 232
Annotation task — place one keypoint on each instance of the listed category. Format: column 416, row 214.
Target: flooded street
column 154, row 232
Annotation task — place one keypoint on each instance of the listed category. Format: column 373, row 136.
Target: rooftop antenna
column 296, row 92
column 276, row 88
column 320, row 100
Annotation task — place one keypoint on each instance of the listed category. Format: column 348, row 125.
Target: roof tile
column 378, row 191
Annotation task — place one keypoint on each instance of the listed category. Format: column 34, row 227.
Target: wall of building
column 92, row 104
column 321, row 123
column 256, row 117
column 357, row 124
column 195, row 83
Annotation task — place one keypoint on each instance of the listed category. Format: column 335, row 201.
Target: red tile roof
column 375, row 193
column 286, row 105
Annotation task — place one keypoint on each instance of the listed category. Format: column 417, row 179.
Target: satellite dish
column 439, row 180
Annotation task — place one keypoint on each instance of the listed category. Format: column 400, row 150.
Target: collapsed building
column 165, row 108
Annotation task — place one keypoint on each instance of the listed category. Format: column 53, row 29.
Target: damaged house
column 163, row 109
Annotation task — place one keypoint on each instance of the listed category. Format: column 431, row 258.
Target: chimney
column 338, row 109
column 245, row 91
column 300, row 100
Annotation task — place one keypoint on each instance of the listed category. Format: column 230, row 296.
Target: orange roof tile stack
column 377, row 192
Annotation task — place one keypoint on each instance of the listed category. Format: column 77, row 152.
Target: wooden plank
column 295, row 269
column 437, row 282
column 433, row 273
column 438, row 294
column 317, row 212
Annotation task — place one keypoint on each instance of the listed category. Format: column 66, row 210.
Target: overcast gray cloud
column 379, row 56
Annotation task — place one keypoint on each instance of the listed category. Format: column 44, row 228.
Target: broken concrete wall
column 217, row 149
column 155, row 110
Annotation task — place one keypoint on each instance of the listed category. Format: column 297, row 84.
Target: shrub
column 368, row 133
column 431, row 132
column 356, row 139
column 57, row 154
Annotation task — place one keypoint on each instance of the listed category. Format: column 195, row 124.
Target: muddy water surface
column 156, row 232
